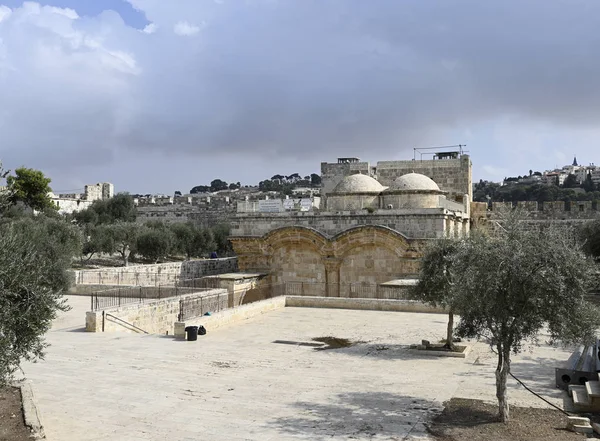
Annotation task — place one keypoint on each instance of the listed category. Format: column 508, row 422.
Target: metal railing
column 138, row 294
column 121, row 322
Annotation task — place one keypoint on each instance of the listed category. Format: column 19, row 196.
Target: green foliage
column 435, row 280
column 315, row 180
column 534, row 192
column 508, row 286
column 119, row 208
column 184, row 240
column 435, row 276
column 30, row 187
column 571, row 181
column 589, row 234
column 154, row 243
column 4, row 192
column 118, row 238
column 34, row 259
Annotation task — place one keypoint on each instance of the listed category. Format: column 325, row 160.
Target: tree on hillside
column 508, row 286
column 435, row 281
column 35, row 256
column 588, row 185
column 200, row 189
column 315, row 180
column 570, row 181
column 589, row 234
column 30, row 187
column 217, row 185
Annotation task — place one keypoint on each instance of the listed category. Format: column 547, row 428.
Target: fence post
column 92, row 300
column 140, row 294
column 119, row 295
column 302, row 288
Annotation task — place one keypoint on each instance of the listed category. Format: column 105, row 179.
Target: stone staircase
column 586, row 398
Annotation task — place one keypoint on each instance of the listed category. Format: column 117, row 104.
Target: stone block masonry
column 452, row 175
column 159, row 274
column 154, row 317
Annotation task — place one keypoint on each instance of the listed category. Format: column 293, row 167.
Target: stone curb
column 31, row 413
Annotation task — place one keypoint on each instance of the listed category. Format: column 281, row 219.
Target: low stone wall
column 154, row 317
column 361, row 304
column 162, row 273
column 233, row 315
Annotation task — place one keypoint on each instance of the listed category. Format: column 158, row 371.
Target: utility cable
column 539, row 396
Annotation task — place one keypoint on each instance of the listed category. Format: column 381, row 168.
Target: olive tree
column 435, row 280
column 118, row 238
column 590, row 235
column 35, row 256
column 154, row 243
column 510, row 285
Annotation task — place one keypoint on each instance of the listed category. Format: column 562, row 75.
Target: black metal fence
column 198, row 306
column 137, row 294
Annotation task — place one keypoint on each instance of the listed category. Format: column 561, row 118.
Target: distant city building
column 72, row 202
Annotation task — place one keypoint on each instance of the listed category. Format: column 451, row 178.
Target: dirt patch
column 334, row 343
column 474, row 420
column 12, row 423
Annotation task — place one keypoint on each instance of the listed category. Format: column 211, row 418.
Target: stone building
column 364, row 232
column 69, row 203
column 450, row 171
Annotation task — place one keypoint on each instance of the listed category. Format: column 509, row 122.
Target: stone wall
column 556, row 210
column 370, row 253
column 332, row 174
column 231, row 316
column 162, row 273
column 154, row 317
column 361, row 304
column 451, row 175
column 68, row 205
column 178, row 213
column 414, row 224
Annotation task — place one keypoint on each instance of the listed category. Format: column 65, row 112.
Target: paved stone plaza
column 239, row 384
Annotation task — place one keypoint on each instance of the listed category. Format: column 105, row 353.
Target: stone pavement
column 239, row 384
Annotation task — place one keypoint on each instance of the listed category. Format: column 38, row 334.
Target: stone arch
column 295, row 234
column 376, row 235
column 295, row 254
column 372, row 254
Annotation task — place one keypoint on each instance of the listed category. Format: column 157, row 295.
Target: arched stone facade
column 368, row 253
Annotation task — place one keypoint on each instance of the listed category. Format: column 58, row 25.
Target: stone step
column 593, row 389
column 580, row 397
column 573, row 386
column 583, row 428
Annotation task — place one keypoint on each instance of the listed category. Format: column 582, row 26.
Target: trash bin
column 192, row 333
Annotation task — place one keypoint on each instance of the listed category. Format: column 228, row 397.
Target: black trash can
column 192, row 333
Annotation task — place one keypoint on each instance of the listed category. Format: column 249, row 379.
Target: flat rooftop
column 254, row 381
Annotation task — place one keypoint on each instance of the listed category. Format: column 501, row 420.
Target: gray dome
column 414, row 182
column 359, row 184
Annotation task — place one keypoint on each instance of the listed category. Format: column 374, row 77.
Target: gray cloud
column 289, row 79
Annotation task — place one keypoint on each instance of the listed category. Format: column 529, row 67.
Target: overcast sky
column 157, row 95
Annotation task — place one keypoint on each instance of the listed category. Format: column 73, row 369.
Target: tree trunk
column 502, row 371
column 449, row 331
